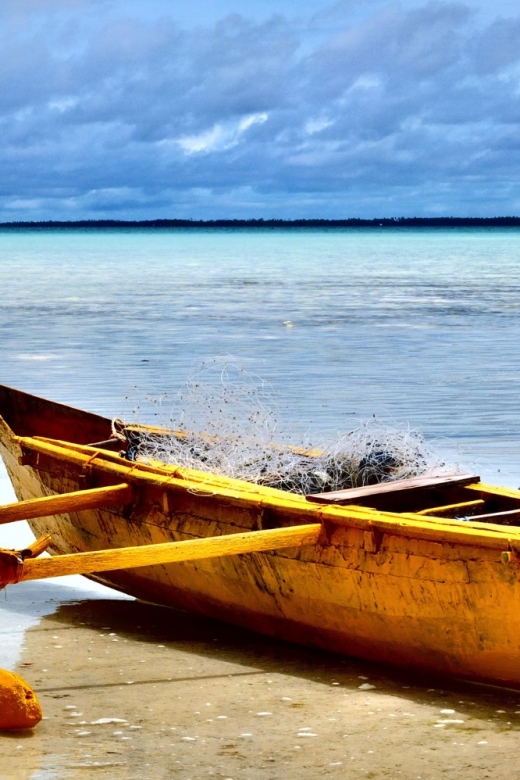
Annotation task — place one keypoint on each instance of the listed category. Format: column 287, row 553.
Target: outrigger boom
column 22, row 565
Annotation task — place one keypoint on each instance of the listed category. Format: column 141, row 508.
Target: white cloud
column 313, row 126
column 367, row 82
column 21, row 204
column 220, row 136
column 62, row 104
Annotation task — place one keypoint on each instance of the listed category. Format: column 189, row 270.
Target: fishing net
column 225, row 422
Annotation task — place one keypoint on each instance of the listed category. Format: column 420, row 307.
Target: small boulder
column 19, row 706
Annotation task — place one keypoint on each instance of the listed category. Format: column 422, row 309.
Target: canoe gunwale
column 240, row 493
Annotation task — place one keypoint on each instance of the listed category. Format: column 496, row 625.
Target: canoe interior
column 28, row 415
column 456, row 497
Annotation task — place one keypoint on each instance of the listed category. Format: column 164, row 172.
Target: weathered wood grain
column 66, row 502
column 153, row 554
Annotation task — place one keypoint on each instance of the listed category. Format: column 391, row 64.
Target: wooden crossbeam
column 95, row 498
column 452, row 510
column 170, row 552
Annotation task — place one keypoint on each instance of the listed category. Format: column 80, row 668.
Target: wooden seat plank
column 350, row 495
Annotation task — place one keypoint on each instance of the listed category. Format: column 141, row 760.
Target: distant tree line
column 413, row 222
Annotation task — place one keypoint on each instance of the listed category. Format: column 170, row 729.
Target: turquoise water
column 419, row 327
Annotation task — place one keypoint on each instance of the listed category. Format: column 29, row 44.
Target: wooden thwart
column 350, row 495
column 170, row 552
column 493, row 517
column 66, row 502
column 452, row 510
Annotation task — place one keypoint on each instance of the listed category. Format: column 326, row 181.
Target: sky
column 209, row 109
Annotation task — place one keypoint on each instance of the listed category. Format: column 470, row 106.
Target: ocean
column 417, row 327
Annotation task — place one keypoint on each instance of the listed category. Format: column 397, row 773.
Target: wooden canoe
column 422, row 573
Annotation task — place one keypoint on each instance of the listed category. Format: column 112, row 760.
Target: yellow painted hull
column 402, row 588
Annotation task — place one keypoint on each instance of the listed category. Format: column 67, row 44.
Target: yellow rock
column 19, row 707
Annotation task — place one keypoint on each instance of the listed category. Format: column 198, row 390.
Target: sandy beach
column 130, row 690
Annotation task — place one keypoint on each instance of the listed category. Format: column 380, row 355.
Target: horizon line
column 503, row 221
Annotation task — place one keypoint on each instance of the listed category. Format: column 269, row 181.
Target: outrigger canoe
column 421, row 573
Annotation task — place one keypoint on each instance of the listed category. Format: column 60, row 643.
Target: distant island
column 392, row 222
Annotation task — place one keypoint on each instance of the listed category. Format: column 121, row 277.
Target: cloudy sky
column 220, row 108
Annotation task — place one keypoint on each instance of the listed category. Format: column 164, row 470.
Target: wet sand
column 131, row 690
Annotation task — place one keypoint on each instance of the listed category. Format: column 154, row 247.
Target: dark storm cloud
column 368, row 108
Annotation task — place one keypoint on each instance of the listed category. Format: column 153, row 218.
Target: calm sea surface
column 419, row 327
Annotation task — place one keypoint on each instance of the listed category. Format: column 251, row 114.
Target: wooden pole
column 37, row 547
column 170, row 552
column 66, row 502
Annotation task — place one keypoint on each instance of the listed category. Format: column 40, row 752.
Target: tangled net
column 227, row 426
